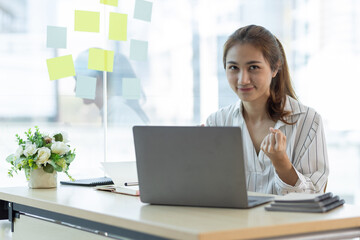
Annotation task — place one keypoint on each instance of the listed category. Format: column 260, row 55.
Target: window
column 182, row 81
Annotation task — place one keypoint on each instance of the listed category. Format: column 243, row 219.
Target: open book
column 121, row 173
column 128, row 190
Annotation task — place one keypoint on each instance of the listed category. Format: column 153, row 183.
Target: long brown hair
column 274, row 54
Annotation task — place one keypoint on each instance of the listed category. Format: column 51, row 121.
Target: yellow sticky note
column 110, row 2
column 86, row 21
column 101, row 60
column 118, row 26
column 60, row 67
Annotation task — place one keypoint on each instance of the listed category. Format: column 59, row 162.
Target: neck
column 255, row 111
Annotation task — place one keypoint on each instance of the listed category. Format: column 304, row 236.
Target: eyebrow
column 231, row 62
column 252, row 62
column 248, row 63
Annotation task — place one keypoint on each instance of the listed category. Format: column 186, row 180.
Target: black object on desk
column 91, row 182
column 319, row 204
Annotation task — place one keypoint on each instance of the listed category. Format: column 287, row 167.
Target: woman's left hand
column 274, row 145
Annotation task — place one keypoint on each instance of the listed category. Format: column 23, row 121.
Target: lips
column 244, row 89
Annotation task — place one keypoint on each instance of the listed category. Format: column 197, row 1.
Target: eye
column 254, row 67
column 232, row 67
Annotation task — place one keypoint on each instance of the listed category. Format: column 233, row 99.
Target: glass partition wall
column 182, row 79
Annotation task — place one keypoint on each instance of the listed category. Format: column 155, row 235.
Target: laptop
column 192, row 166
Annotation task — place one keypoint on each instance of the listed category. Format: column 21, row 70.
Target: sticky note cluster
column 58, row 67
column 99, row 59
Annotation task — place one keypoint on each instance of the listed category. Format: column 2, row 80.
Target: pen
column 131, row 183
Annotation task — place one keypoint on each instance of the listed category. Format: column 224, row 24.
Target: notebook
column 302, row 202
column 302, row 197
column 121, row 173
column 192, row 166
column 90, row 182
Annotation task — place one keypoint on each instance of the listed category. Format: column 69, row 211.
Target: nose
column 243, row 78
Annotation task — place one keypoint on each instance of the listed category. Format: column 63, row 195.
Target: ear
column 276, row 70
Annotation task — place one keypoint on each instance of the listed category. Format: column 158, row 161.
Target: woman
column 283, row 140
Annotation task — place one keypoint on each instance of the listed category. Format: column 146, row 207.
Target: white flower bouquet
column 51, row 153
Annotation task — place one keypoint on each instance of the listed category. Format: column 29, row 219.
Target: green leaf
column 55, row 166
column 38, row 138
column 55, row 157
column 19, row 139
column 70, row 157
column 27, row 174
column 18, row 161
column 58, row 137
column 69, row 176
column 24, row 163
column 48, row 168
column 29, row 135
column 31, row 163
column 11, row 158
column 39, row 141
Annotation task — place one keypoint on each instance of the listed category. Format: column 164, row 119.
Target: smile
column 244, row 89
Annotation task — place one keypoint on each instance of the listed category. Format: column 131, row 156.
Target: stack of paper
column 300, row 202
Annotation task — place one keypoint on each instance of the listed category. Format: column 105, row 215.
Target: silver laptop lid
column 193, row 166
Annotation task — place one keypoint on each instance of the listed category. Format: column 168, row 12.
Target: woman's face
column 248, row 73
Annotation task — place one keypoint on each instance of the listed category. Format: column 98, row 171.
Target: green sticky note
column 85, row 87
column 60, row 67
column 138, row 50
column 101, row 60
column 56, row 37
column 143, row 10
column 118, row 26
column 110, row 2
column 131, row 88
column 86, row 21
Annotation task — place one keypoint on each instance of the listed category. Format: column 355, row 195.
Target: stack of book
column 300, row 202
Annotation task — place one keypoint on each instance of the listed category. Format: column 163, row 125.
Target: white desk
column 127, row 216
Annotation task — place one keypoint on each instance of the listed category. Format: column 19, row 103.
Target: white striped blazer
column 305, row 146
